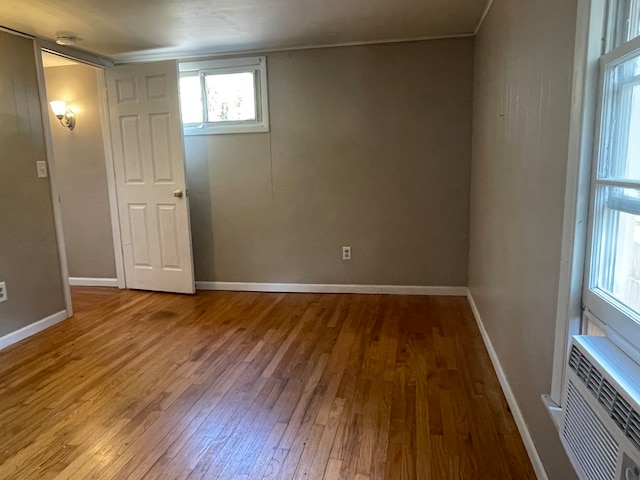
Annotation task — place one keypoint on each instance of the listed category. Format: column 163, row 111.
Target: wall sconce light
column 67, row 117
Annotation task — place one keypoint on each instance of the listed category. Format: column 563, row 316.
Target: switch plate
column 42, row 169
column 346, row 253
column 3, row 292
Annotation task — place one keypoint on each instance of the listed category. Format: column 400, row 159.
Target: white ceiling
column 124, row 29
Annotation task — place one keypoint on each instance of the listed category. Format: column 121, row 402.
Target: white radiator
column 601, row 424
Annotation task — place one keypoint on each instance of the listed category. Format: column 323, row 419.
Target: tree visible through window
column 230, row 97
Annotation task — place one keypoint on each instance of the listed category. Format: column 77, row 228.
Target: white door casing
column 148, row 155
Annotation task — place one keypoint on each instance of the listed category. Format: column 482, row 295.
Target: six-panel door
column 148, row 155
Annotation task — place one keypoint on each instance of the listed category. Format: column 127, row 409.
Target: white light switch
column 42, row 169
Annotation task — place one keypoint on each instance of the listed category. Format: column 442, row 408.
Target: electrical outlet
column 3, row 292
column 346, row 253
column 42, row 169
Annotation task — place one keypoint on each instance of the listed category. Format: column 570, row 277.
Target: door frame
column 55, row 195
column 41, row 46
column 111, row 180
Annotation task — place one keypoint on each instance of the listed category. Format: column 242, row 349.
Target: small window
column 224, row 96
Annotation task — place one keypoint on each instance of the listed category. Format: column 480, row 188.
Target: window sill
column 224, row 130
column 555, row 412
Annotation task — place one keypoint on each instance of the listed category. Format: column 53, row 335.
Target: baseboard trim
column 534, row 457
column 93, row 282
column 32, row 329
column 332, row 288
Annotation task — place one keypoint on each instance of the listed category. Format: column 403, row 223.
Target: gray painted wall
column 522, row 94
column 369, row 147
column 81, row 173
column 29, row 262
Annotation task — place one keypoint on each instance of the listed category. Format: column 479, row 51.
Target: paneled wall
column 29, row 262
column 369, row 147
column 522, row 95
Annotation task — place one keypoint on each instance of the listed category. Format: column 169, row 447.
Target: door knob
column 177, row 193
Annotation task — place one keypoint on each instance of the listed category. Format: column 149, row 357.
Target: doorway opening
column 82, row 175
column 117, row 149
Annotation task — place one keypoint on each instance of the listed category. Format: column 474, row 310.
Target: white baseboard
column 32, row 329
column 534, row 457
column 93, row 282
column 331, row 288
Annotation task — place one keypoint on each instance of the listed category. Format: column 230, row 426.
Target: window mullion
column 205, row 100
column 611, row 182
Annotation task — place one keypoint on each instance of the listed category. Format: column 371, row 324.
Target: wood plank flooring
column 238, row 386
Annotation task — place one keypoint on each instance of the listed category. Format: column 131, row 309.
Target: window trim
column 591, row 38
column 590, row 23
column 608, row 310
column 258, row 65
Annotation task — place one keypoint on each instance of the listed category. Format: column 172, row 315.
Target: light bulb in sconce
column 67, row 117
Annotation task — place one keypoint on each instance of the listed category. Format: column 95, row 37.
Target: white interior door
column 148, row 155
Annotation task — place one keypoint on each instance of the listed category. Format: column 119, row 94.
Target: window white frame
column 591, row 38
column 590, row 24
column 256, row 65
column 610, row 312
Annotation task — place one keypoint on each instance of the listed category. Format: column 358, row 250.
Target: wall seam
column 485, row 12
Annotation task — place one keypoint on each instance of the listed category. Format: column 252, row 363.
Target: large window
column 224, row 96
column 612, row 287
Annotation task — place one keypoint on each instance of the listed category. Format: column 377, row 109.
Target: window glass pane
column 620, row 149
column 191, row 99
column 631, row 24
column 231, row 97
column 617, row 245
column 625, row 22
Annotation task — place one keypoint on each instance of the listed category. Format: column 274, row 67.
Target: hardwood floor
column 224, row 385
